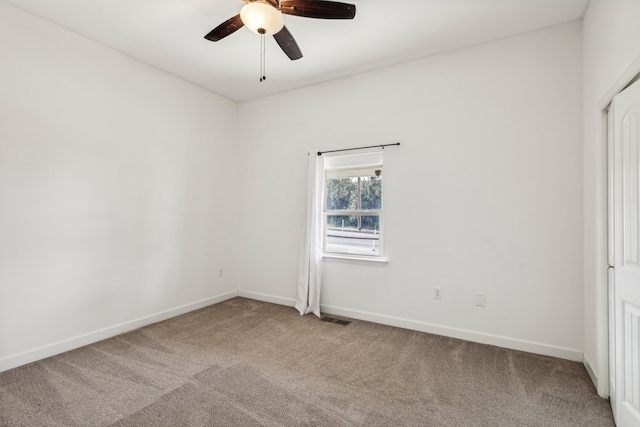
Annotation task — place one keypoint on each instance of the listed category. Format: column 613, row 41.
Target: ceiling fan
column 264, row 17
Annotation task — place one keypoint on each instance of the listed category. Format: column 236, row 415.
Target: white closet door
column 626, row 230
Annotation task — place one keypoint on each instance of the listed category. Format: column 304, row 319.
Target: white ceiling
column 169, row 34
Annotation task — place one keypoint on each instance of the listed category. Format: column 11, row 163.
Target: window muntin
column 353, row 211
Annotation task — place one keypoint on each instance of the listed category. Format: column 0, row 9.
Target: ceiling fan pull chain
column 261, row 58
column 262, row 55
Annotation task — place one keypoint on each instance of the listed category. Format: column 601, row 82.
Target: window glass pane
column 371, row 192
column 354, row 193
column 353, row 234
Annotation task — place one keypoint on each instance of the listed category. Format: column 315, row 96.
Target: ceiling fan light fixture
column 262, row 18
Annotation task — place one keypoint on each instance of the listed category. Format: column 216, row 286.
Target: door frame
column 602, row 226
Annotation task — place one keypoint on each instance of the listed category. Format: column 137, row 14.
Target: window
column 353, row 206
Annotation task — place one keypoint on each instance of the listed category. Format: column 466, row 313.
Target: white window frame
column 344, row 172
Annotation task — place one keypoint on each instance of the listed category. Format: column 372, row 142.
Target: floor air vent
column 334, row 320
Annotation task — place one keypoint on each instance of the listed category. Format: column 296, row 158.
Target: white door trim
column 602, row 296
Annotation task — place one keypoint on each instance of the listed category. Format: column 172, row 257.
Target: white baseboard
column 479, row 337
column 498, row 341
column 590, row 371
column 289, row 302
column 20, row 359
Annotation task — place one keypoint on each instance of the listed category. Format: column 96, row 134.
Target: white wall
column 118, row 200
column 483, row 195
column 611, row 34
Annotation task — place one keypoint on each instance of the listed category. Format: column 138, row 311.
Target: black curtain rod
column 320, row 153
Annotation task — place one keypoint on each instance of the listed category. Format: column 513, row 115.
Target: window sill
column 352, row 259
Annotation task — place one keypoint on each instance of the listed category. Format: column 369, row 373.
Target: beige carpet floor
column 249, row 363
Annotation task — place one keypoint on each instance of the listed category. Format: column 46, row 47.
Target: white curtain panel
column 310, row 274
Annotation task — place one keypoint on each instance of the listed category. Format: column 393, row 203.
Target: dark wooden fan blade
column 288, row 44
column 229, row 26
column 318, row 9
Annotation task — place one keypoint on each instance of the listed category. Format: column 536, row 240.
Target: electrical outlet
column 481, row 299
column 220, row 272
column 437, row 293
